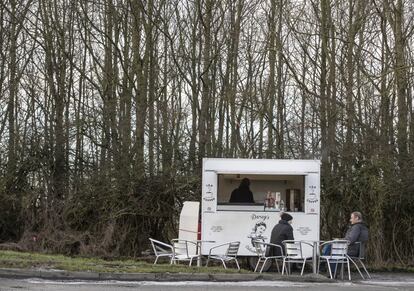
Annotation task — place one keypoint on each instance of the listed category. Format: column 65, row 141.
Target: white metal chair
column 225, row 253
column 294, row 254
column 161, row 249
column 183, row 250
column 359, row 259
column 336, row 253
column 263, row 251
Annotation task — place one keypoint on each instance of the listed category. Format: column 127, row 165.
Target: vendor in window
column 242, row 194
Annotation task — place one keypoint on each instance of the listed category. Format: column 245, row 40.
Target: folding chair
column 336, row 254
column 183, row 250
column 294, row 254
column 263, row 251
column 161, row 249
column 225, row 253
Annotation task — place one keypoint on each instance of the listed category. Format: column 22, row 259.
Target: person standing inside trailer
column 242, row 194
column 282, row 231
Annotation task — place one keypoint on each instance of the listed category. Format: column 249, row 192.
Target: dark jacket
column 357, row 232
column 241, row 195
column 282, row 231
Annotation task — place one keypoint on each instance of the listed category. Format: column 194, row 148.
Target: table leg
column 315, row 257
column 199, row 254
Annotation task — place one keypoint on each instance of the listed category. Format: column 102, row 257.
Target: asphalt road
column 47, row 285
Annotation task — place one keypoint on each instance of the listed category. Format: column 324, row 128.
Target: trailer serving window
column 289, row 189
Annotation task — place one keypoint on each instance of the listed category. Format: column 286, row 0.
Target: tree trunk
column 206, row 81
column 139, row 69
column 271, row 90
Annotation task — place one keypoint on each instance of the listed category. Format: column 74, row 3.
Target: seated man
column 357, row 232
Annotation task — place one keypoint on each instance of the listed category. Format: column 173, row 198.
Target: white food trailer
column 294, row 185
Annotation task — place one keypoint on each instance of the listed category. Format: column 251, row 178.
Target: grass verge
column 23, row 260
column 11, row 259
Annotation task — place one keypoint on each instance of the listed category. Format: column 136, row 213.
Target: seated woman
column 280, row 232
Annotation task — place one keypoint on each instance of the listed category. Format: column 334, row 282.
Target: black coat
column 358, row 232
column 282, row 231
column 241, row 195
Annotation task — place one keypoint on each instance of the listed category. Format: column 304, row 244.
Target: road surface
column 48, row 285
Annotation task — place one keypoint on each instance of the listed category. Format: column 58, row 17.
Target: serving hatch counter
column 243, row 207
column 294, row 183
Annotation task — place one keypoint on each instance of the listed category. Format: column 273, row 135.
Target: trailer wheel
column 252, row 261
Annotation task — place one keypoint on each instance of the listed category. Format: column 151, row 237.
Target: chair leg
column 356, row 266
column 303, row 267
column 264, row 263
column 336, row 269
column 257, row 264
column 365, row 269
column 237, row 263
column 318, row 267
column 156, row 259
column 208, row 260
column 224, row 264
column 329, row 268
column 318, row 263
column 277, row 266
column 349, row 270
column 359, row 271
column 283, row 266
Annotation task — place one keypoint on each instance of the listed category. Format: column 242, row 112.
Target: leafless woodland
column 107, row 108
